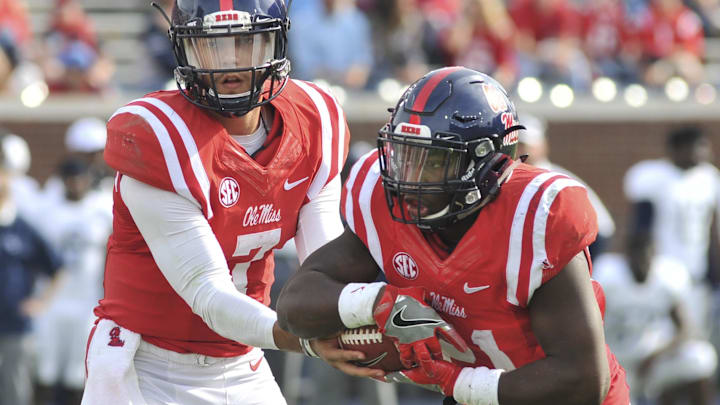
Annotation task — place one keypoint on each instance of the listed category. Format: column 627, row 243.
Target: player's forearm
column 233, row 315
column 307, row 306
column 554, row 381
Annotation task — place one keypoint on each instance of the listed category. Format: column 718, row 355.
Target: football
column 380, row 351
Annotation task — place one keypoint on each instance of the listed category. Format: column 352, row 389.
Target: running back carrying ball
column 380, row 351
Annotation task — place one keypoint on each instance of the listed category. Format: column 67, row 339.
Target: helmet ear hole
column 484, row 148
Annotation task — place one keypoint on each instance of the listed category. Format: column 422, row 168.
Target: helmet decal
column 496, row 99
column 512, row 137
column 406, row 128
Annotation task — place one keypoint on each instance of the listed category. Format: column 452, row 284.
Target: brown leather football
column 380, row 351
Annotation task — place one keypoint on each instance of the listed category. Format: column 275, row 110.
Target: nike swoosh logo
column 371, row 362
column 471, row 290
column 401, row 322
column 255, row 366
column 289, row 186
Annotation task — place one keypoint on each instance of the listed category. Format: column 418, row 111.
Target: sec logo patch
column 229, row 192
column 405, row 266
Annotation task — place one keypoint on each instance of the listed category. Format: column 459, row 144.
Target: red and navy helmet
column 235, row 44
column 450, row 138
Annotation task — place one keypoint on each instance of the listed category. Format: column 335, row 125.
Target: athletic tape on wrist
column 477, row 386
column 355, row 304
column 307, row 348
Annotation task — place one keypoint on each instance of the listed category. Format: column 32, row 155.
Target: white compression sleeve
column 319, row 220
column 189, row 256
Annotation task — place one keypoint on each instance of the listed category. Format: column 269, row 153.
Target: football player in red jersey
column 210, row 179
column 498, row 248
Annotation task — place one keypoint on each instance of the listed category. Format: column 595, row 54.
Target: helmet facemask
column 432, row 182
column 226, row 58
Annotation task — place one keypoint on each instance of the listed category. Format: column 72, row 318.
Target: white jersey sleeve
column 189, row 256
column 319, row 220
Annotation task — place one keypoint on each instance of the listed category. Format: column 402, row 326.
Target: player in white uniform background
column 78, row 227
column 647, row 326
column 674, row 199
column 25, row 189
column 85, row 140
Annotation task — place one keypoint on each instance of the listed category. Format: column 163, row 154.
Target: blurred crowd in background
column 359, row 45
column 572, row 42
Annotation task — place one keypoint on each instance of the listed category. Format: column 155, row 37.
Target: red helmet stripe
column 429, row 86
column 226, row 5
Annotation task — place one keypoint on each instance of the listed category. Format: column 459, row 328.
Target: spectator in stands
column 482, row 39
column 14, row 36
column 647, row 328
column 401, row 37
column 333, row 43
column 161, row 55
column 440, row 15
column 304, row 6
column 79, row 230
column 25, row 255
column 672, row 43
column 549, row 41
column 709, row 13
column 73, row 60
column 534, row 144
column 610, row 40
column 674, row 200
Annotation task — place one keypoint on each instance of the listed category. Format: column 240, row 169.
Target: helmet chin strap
column 437, row 214
column 220, row 95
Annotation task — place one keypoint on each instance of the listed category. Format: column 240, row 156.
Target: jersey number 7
column 252, row 246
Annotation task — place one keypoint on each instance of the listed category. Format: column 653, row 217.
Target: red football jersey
column 251, row 204
column 539, row 221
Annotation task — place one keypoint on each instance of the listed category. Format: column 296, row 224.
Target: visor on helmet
column 412, row 163
column 422, row 175
column 235, row 51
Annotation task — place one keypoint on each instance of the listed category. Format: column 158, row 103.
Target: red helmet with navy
column 450, row 138
column 237, row 45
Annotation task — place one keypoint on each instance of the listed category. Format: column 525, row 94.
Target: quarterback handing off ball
column 380, row 351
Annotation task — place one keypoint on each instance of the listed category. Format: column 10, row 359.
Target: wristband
column 355, row 304
column 477, row 386
column 307, row 348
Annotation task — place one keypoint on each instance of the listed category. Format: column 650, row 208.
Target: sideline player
column 211, row 179
column 674, row 199
column 647, row 325
column 78, row 230
column 497, row 247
